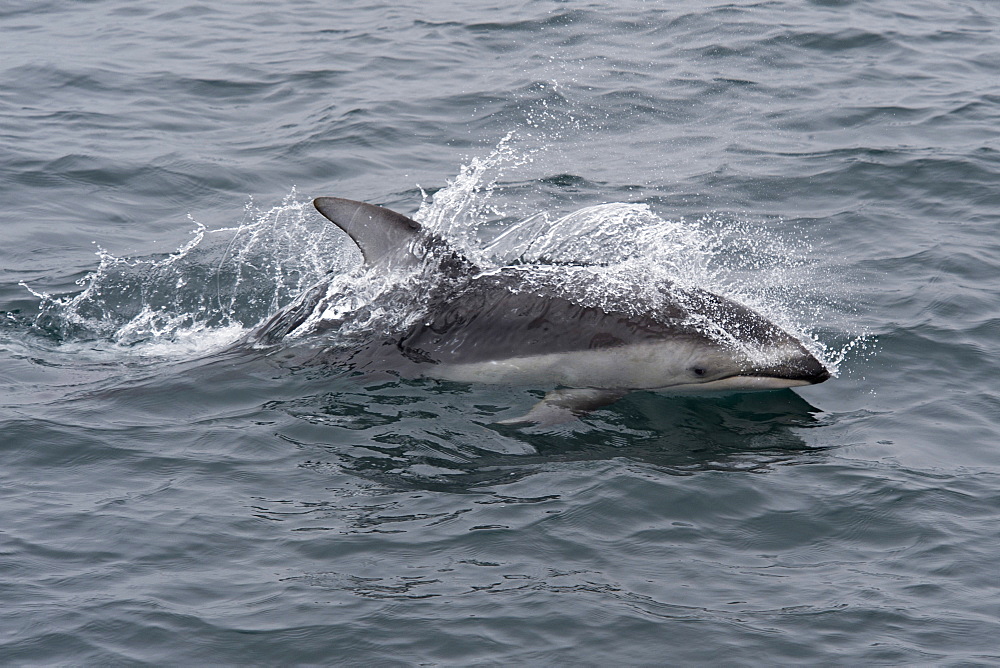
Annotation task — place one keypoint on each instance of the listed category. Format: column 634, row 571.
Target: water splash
column 207, row 291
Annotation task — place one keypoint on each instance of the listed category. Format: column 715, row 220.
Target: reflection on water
column 444, row 436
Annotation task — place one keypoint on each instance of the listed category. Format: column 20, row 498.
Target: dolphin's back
column 493, row 319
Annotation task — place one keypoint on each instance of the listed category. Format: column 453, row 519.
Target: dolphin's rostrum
column 495, row 326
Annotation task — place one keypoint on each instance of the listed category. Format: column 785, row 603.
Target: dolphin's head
column 730, row 347
column 711, row 366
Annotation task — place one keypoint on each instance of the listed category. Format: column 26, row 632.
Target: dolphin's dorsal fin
column 377, row 231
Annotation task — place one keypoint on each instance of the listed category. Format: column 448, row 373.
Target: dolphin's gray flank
column 494, row 327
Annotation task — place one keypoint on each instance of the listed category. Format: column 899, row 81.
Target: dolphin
column 503, row 326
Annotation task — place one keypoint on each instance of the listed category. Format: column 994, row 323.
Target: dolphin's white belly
column 638, row 366
column 653, row 366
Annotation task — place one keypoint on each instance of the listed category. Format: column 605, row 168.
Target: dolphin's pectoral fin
column 560, row 406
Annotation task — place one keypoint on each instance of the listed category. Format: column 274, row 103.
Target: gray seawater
column 160, row 503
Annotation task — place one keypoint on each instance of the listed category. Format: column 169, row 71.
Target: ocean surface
column 169, row 496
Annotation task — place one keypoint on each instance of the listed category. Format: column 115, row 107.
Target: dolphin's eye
column 699, row 371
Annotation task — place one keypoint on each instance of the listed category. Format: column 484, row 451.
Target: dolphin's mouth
column 803, row 371
column 747, row 383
